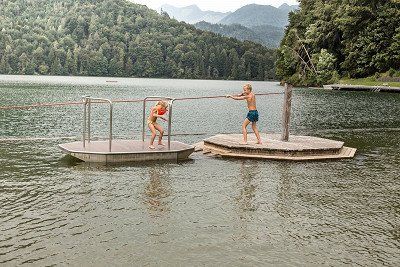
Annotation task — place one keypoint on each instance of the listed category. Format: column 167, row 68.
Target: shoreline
column 351, row 87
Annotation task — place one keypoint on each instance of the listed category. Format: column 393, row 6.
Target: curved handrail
column 170, row 103
column 86, row 118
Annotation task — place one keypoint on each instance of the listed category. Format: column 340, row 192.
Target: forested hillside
column 118, row 38
column 267, row 35
column 343, row 38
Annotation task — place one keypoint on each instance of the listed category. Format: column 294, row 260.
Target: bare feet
column 161, row 144
column 151, row 147
column 259, row 143
column 243, row 143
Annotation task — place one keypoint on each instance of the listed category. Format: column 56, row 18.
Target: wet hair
column 162, row 103
column 248, row 86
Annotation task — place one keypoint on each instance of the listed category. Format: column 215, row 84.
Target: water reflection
column 157, row 191
column 245, row 200
column 285, row 190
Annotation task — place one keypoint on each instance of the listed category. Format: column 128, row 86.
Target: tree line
column 119, row 38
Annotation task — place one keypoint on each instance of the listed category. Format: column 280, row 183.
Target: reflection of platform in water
column 126, row 151
column 298, row 148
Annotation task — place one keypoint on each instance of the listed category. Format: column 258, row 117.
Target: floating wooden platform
column 299, row 148
column 126, row 151
column 347, row 87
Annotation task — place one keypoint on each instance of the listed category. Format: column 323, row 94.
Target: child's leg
column 244, row 130
column 257, row 133
column 161, row 130
column 153, row 135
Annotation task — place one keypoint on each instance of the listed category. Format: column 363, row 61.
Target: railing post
column 287, row 104
column 111, row 126
column 84, row 98
column 89, row 109
column 144, row 119
column 169, row 123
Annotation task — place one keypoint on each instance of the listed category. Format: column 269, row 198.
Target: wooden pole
column 287, row 105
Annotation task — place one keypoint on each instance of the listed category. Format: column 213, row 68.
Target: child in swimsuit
column 157, row 112
column 252, row 115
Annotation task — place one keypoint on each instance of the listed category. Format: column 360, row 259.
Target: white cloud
column 214, row 5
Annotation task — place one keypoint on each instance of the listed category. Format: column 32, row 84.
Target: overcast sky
column 214, row 5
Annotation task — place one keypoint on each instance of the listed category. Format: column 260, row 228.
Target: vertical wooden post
column 287, row 105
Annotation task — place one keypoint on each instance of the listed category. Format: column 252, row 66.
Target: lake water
column 206, row 211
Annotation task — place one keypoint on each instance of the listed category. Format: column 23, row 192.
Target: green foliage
column 326, row 73
column 352, row 38
column 118, row 38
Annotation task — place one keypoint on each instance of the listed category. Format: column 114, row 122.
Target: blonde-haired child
column 252, row 115
column 160, row 109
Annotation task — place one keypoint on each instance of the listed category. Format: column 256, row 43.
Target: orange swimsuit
column 160, row 111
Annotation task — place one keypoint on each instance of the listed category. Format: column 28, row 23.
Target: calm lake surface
column 206, row 211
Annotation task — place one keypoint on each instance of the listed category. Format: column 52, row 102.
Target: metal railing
column 87, row 100
column 170, row 103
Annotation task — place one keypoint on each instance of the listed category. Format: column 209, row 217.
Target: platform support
column 287, row 105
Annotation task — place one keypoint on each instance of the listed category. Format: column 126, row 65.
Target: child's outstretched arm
column 238, row 97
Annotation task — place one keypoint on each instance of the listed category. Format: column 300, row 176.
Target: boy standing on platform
column 252, row 115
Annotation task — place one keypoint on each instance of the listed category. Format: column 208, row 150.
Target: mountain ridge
column 267, row 35
column 192, row 14
column 256, row 15
column 248, row 23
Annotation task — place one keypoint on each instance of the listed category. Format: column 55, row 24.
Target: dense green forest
column 267, row 35
column 119, row 38
column 326, row 40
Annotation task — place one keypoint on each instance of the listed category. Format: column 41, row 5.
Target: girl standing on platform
column 160, row 109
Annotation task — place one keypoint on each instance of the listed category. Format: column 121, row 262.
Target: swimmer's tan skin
column 250, row 98
column 153, row 125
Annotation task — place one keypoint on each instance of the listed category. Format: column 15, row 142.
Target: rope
column 114, row 101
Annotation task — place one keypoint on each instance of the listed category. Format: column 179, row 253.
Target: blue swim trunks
column 252, row 115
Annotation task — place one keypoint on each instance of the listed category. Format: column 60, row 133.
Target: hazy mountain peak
column 254, row 15
column 193, row 14
column 287, row 7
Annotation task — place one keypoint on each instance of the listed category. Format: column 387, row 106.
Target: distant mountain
column 285, row 7
column 262, row 24
column 257, row 15
column 193, row 14
column 267, row 35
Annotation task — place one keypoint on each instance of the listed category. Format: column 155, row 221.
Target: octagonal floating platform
column 298, row 148
column 126, row 151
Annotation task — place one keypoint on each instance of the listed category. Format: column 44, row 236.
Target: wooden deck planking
column 298, row 148
column 272, row 142
column 346, row 153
